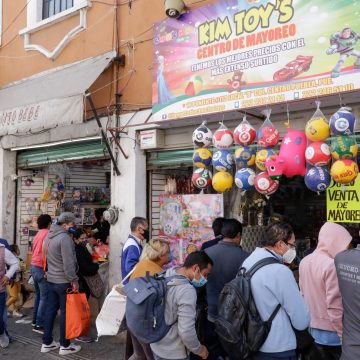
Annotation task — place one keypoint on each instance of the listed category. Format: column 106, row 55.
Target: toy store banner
column 342, row 202
column 186, row 220
column 238, row 54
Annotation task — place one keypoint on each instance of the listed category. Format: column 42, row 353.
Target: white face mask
column 289, row 256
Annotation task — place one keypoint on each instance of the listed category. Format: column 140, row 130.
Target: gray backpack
column 145, row 307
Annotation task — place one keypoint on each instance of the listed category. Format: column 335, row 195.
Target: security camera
column 174, row 8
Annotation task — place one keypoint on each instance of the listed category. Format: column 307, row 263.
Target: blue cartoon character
column 163, row 91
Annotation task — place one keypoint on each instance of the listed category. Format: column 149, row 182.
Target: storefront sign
column 342, row 202
column 238, row 54
column 151, row 139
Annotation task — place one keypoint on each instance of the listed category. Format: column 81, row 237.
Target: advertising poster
column 185, row 220
column 237, row 54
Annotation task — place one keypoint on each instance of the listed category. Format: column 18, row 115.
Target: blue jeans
column 41, row 288
column 2, row 309
column 56, row 300
column 160, row 358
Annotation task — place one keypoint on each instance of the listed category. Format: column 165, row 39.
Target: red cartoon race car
column 293, row 68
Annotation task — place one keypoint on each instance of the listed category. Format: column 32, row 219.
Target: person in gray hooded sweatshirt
column 180, row 310
column 61, row 266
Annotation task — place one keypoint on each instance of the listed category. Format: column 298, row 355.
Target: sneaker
column 17, row 314
column 4, row 340
column 71, row 349
column 38, row 329
column 47, row 348
column 33, row 324
column 85, row 339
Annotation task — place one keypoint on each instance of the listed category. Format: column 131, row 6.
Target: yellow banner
column 342, row 202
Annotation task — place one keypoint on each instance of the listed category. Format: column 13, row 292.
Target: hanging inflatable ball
column 264, row 184
column 202, row 157
column 268, row 136
column 244, row 134
column 223, row 138
column 318, row 153
column 342, row 122
column 245, row 157
column 222, row 160
column 344, row 171
column 317, row 129
column 244, row 179
column 317, row 178
column 261, row 157
column 202, row 136
column 201, row 178
column 222, row 181
column 344, row 147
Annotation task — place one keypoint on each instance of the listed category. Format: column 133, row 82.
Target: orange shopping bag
column 77, row 315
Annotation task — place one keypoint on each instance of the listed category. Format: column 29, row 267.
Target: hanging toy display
column 267, row 136
column 222, row 160
column 261, row 157
column 202, row 136
column 202, row 157
column 317, row 128
column 201, row 178
column 318, row 153
column 264, row 184
column 244, row 133
column 45, row 197
column 342, row 122
column 344, row 171
column 244, row 179
column 222, row 181
column 245, row 157
column 317, row 178
column 223, row 138
column 344, row 147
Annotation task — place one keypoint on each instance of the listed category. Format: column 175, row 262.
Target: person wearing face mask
column 320, row 288
column 180, row 309
column 275, row 284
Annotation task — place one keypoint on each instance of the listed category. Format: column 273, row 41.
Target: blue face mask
column 72, row 230
column 199, row 283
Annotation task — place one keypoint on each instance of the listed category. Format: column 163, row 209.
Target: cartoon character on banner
column 291, row 158
column 235, row 83
column 164, row 95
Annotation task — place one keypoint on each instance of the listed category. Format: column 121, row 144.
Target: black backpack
column 238, row 325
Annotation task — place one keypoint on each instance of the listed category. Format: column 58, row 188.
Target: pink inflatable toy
column 291, row 158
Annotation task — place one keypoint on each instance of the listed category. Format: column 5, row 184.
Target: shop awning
column 49, row 99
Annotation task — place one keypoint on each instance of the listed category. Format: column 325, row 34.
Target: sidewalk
column 27, row 344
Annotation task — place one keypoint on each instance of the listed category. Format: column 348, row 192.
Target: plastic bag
column 223, row 138
column 317, row 128
column 202, row 136
column 267, row 135
column 244, row 133
column 343, row 122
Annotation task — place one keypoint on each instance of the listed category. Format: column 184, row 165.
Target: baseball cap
column 66, row 217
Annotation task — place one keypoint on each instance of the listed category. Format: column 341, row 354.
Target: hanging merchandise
column 291, row 158
column 244, row 133
column 222, row 181
column 223, row 160
column 202, row 136
column 318, row 153
column 264, row 184
column 317, row 128
column 267, row 135
column 223, row 137
column 244, row 179
column 344, row 171
column 344, row 147
column 201, row 178
column 45, row 197
column 261, row 157
column 317, row 178
column 342, row 122
column 245, row 157
column 202, row 157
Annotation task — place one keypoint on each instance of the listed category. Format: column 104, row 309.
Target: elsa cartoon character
column 164, row 94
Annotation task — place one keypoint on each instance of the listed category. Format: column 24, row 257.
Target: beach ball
column 193, row 86
column 201, row 178
column 223, row 138
column 244, row 134
column 202, row 136
column 344, row 171
column 202, row 157
column 268, row 136
column 261, row 157
column 317, row 178
column 317, row 129
column 264, row 184
column 245, row 156
column 344, row 147
column 222, row 160
column 244, row 179
column 342, row 122
column 318, row 153
column 222, row 181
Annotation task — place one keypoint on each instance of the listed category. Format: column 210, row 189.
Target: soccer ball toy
column 268, row 136
column 317, row 129
column 344, row 147
column 318, row 153
column 264, row 184
column 201, row 178
column 202, row 136
column 317, row 178
column 344, row 171
column 222, row 181
column 342, row 122
column 261, row 157
column 245, row 157
column 222, row 160
column 244, row 179
column 223, row 138
column 202, row 157
column 244, row 134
